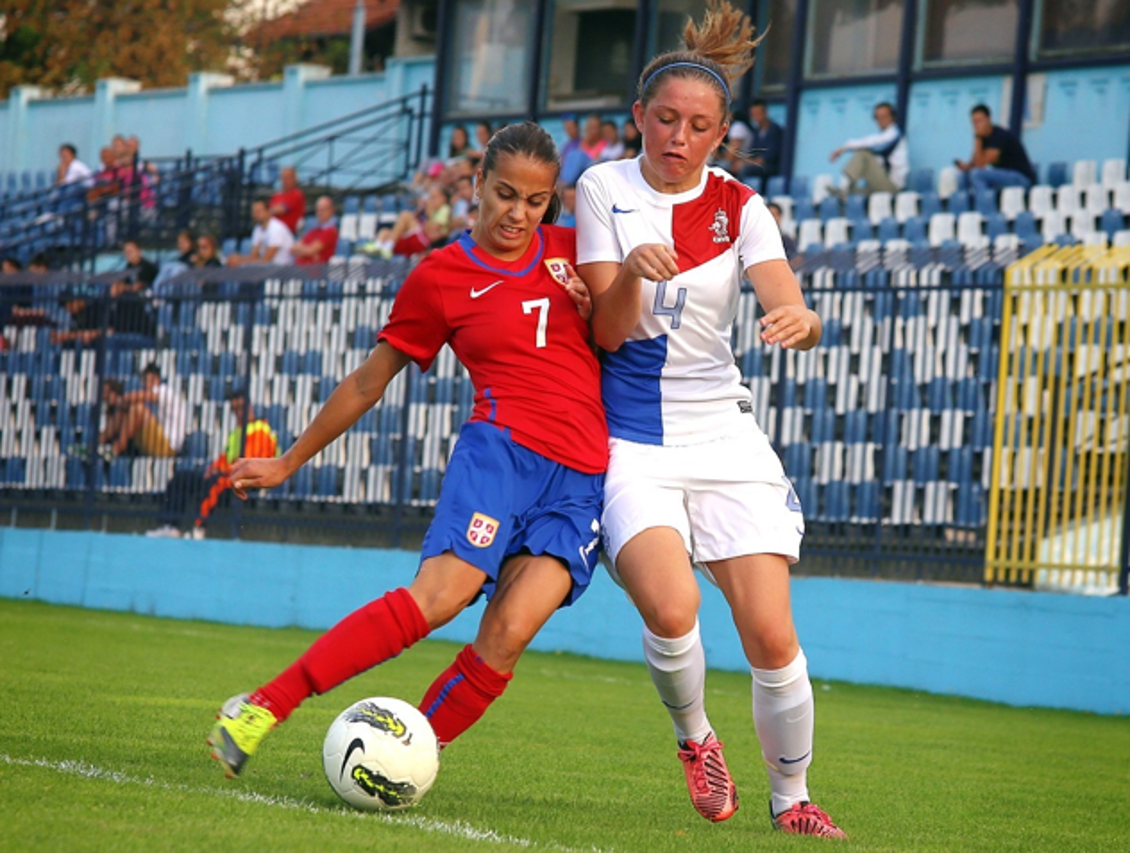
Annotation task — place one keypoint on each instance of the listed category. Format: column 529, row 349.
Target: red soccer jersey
column 327, row 235
column 520, row 337
column 294, row 204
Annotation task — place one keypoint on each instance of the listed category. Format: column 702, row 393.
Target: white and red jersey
column 518, row 333
column 674, row 380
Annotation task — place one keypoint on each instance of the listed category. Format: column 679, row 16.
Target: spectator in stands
column 72, row 170
column 999, row 158
column 462, row 203
column 207, row 252
column 107, row 181
column 763, row 149
column 153, row 419
column 186, row 248
column 416, row 231
column 483, row 133
column 880, row 161
column 319, row 243
column 572, row 135
column 593, row 141
column 188, row 485
column 792, row 254
column 288, row 205
column 568, row 216
column 271, row 240
column 631, row 137
column 460, row 144
column 613, row 144
column 129, row 304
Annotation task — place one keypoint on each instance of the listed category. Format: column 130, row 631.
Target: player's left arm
column 788, row 321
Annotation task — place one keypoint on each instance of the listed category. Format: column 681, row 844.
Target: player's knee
column 501, row 643
column 671, row 618
column 438, row 604
column 774, row 646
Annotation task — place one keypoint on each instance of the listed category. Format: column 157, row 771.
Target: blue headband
column 695, row 65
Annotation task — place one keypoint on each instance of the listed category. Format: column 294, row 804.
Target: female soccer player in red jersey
column 662, row 242
column 518, row 514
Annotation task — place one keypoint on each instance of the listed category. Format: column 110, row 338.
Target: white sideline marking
column 456, row 828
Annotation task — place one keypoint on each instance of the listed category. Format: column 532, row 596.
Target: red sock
column 366, row 637
column 461, row 695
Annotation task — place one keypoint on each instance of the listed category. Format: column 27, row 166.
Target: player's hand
column 257, row 474
column 653, row 261
column 579, row 292
column 787, row 325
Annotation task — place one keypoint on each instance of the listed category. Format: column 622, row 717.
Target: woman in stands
column 662, row 242
column 518, row 514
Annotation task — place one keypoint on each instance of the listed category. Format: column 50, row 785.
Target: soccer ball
column 381, row 754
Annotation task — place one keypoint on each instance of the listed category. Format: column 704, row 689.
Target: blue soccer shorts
column 499, row 499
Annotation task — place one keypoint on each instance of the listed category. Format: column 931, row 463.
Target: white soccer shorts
column 726, row 498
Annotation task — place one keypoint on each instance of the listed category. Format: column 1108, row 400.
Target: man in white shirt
column 271, row 240
column 880, row 161
column 153, row 418
column 72, row 170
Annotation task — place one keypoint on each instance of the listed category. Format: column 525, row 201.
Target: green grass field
column 103, row 718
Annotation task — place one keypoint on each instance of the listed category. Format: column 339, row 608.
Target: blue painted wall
column 829, row 116
column 1005, row 646
column 1086, row 116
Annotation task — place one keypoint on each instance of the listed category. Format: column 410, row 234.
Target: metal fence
column 886, row 428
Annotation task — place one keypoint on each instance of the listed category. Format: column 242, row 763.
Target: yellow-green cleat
column 240, row 726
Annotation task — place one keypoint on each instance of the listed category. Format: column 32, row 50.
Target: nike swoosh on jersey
column 616, row 209
column 475, row 294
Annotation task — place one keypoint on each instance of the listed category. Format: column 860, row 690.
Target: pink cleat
column 807, row 819
column 708, row 779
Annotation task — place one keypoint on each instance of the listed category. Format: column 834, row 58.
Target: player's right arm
column 358, row 392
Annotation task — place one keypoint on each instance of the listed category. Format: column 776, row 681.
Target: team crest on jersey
column 482, row 529
column 559, row 269
column 721, row 227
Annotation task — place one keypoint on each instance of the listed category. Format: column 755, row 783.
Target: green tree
column 66, row 45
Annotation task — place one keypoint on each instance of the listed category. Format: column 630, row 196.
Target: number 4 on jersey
column 660, row 309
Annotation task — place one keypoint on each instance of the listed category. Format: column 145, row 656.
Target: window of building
column 589, row 48
column 491, row 57
column 777, row 20
column 967, row 32
column 847, row 38
column 1088, row 27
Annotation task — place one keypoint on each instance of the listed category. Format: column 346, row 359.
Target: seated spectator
column 271, row 240
column 483, row 133
column 213, row 483
column 593, row 141
column 319, row 243
column 613, row 145
column 186, row 248
column 288, row 205
column 207, row 253
column 792, row 254
column 416, row 231
column 152, row 420
column 632, row 139
column 568, row 216
column 107, row 181
column 72, row 170
column 762, row 153
column 879, row 162
column 998, row 159
column 462, row 203
column 460, row 144
column 572, row 135
column 129, row 304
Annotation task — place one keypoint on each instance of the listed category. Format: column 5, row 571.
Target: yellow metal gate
column 1062, row 426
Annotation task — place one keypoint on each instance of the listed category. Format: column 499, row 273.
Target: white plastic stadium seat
column 941, row 228
column 906, row 205
column 811, row 231
column 1084, row 172
column 1052, row 226
column 1121, row 238
column 348, row 229
column 1012, row 202
column 1068, row 199
column 969, row 230
column 949, row 180
column 1096, row 199
column 1040, row 200
column 1122, row 197
column 785, row 202
column 1092, row 238
column 1114, row 172
column 879, row 207
column 820, row 187
column 836, row 231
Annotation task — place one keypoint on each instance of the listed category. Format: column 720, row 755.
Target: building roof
column 328, row 18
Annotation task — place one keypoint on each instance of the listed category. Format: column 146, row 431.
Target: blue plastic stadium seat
column 302, row 483
column 217, row 389
column 914, row 229
column 367, row 422
column 823, row 425
column 195, row 446
column 75, row 473
column 119, row 474
column 866, row 502
column 958, row 202
column 980, row 429
column 877, row 279
column 788, row 393
column 288, row 364
column 833, row 329
column 1057, row 174
column 836, row 501
column 312, row 362
column 753, row 182
column 798, row 460
column 921, row 180
column 800, row 187
column 776, row 185
column 829, row 208
column 925, row 465
column 986, row 203
column 895, row 463
column 751, row 363
column 807, row 493
column 861, row 230
column 855, row 427
column 1111, row 222
column 888, row 229
column 929, row 204
column 381, row 450
column 325, row 483
column 969, row 397
column 959, row 466
column 352, row 204
column 996, row 224
column 855, row 207
column 803, row 209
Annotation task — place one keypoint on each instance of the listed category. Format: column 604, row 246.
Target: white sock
column 783, row 714
column 678, row 669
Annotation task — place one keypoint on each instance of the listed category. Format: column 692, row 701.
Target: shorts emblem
column 482, row 529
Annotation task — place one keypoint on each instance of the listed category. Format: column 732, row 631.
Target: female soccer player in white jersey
column 518, row 514
column 662, row 242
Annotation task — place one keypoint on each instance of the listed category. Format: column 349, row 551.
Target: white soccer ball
column 381, row 754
